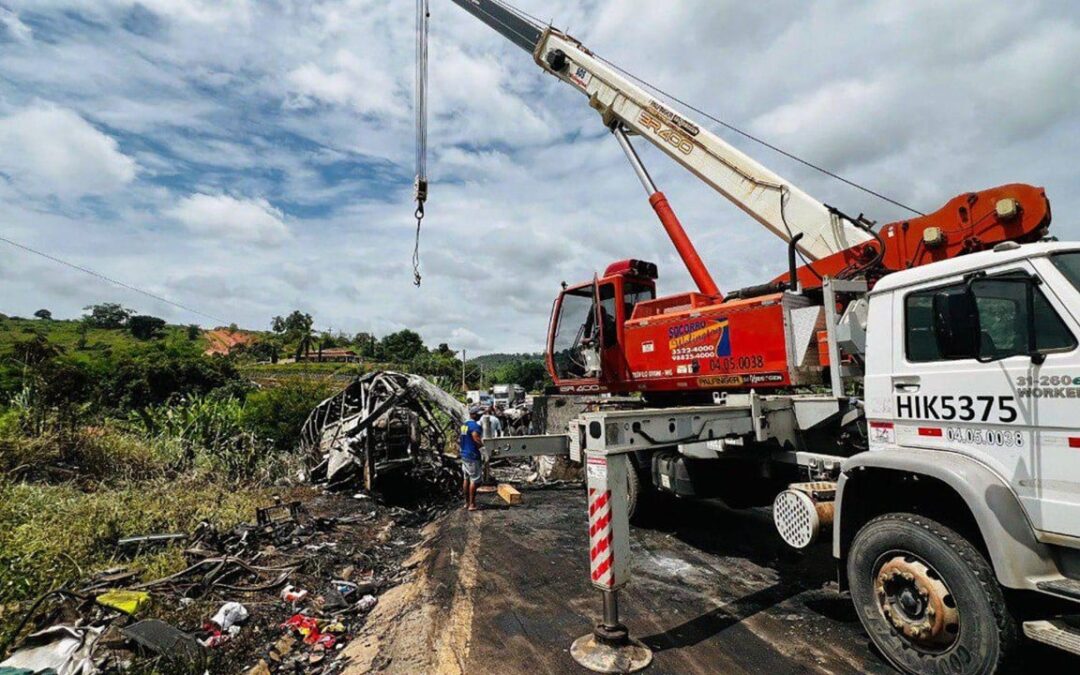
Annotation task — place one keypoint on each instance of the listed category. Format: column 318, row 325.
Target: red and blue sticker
column 695, row 333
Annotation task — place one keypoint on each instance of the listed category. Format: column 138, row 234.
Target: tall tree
column 366, row 345
column 296, row 322
column 402, row 346
column 43, row 314
column 145, row 327
column 107, row 315
column 297, row 327
column 305, row 339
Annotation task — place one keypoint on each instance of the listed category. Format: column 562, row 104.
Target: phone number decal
column 1001, row 439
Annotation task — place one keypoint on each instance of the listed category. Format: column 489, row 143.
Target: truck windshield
column 1069, row 265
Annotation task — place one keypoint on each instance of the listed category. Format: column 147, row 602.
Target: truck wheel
column 633, row 490
column 928, row 598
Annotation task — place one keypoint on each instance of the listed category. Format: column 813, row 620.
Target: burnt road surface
column 712, row 590
column 505, row 590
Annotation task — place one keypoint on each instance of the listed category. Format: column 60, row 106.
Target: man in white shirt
column 491, row 427
column 490, row 424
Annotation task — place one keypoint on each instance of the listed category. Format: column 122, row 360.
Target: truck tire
column 928, row 598
column 634, row 489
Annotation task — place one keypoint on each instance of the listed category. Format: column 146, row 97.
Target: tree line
column 294, row 336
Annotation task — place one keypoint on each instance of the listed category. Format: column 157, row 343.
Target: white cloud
column 463, row 338
column 811, row 123
column 48, row 150
column 253, row 221
column 14, row 25
column 348, row 80
column 202, row 11
column 308, row 104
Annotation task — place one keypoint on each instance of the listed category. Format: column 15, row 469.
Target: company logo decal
column 696, row 334
column 741, row 380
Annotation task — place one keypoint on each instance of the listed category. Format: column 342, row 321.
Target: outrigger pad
column 611, row 656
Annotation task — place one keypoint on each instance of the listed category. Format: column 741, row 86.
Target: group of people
column 480, row 425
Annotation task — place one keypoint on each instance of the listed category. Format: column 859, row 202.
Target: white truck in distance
column 478, row 397
column 507, row 395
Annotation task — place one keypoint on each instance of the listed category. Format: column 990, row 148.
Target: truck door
column 966, row 381
column 574, row 339
column 609, row 321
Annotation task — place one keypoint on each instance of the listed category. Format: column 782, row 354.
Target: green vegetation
column 52, row 534
column 121, row 431
column 493, row 361
column 528, row 370
column 119, row 425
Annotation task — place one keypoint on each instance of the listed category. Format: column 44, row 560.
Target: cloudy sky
column 248, row 157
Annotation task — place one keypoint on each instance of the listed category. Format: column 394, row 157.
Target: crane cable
column 420, row 187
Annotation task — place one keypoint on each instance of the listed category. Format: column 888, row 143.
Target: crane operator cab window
column 635, row 292
column 574, row 347
column 587, row 331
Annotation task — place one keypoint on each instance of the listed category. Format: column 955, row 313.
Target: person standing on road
column 471, row 444
column 491, row 427
column 490, row 424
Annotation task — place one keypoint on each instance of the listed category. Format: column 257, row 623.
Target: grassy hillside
column 72, row 335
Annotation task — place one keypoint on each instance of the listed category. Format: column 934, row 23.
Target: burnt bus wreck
column 380, row 423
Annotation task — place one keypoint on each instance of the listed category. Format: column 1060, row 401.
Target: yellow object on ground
column 128, row 602
column 509, row 494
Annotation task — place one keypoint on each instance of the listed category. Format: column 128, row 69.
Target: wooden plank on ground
column 509, row 494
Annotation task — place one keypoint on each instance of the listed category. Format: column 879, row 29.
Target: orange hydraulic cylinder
column 684, row 246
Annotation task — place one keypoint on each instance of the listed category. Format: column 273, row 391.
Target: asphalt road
column 505, row 590
column 714, row 590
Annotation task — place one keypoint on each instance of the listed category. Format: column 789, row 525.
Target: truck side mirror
column 956, row 324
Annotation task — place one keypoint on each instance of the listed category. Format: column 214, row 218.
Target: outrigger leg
column 609, row 648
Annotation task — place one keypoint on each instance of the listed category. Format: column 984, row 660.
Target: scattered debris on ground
column 283, row 594
column 382, row 422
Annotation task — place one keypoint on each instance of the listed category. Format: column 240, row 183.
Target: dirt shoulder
column 425, row 624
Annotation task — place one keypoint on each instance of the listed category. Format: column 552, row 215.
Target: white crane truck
column 927, row 418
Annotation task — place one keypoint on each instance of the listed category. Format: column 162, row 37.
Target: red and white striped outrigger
column 609, row 648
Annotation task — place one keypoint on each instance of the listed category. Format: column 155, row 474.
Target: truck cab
column 978, row 356
column 959, row 529
column 586, row 335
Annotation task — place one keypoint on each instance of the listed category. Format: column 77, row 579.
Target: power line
column 110, row 280
column 732, row 127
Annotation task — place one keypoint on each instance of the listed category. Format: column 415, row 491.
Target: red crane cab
column 614, row 335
